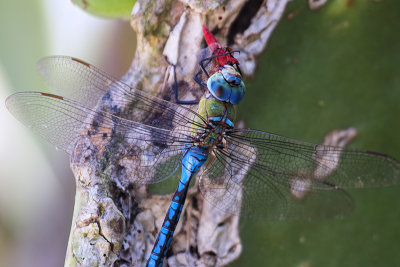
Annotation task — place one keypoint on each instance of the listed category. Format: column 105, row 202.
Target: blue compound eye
column 234, row 79
column 231, row 75
column 226, row 85
column 237, row 93
column 218, row 87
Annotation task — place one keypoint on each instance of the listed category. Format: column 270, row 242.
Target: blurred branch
column 115, row 222
column 107, row 8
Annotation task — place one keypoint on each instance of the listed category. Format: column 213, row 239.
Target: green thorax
column 211, row 108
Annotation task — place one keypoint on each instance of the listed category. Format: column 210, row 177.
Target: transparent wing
column 265, row 175
column 101, row 107
column 87, row 85
column 153, row 154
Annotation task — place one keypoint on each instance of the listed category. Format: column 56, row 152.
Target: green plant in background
column 107, row 8
column 330, row 69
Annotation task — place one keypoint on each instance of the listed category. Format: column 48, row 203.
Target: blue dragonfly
column 245, row 172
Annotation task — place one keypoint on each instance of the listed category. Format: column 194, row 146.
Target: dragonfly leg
column 215, row 56
column 228, row 50
column 198, row 80
column 212, row 158
column 177, row 100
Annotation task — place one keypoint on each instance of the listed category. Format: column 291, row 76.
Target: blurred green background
column 36, row 184
column 323, row 70
column 329, row 69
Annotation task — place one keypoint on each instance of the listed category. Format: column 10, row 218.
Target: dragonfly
column 242, row 172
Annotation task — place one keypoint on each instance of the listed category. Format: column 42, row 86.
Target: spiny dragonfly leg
column 228, row 50
column 208, row 59
column 212, row 158
column 198, row 80
column 177, row 100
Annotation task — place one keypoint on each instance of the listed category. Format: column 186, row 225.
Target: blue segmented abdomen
column 193, row 158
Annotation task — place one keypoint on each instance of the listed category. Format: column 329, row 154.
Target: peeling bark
column 115, row 221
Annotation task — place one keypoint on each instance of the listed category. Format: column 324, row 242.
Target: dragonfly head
column 226, row 85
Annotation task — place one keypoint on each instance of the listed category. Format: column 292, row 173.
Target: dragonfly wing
column 101, row 106
column 346, row 168
column 148, row 153
column 236, row 184
column 241, row 189
column 88, row 85
column 274, row 177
